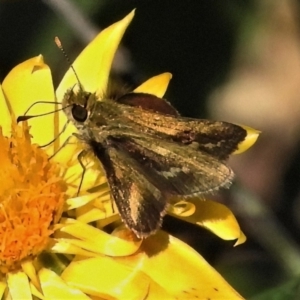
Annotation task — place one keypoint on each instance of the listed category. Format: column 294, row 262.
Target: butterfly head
column 78, row 104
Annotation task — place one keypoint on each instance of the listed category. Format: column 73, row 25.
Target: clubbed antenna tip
column 61, row 48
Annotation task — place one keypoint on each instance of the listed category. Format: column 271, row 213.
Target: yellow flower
column 109, row 266
column 32, row 193
column 32, row 198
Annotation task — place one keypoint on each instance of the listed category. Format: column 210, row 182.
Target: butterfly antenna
column 25, row 118
column 61, row 48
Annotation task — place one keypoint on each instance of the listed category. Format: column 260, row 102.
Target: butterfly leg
column 80, row 156
column 66, row 142
column 59, row 134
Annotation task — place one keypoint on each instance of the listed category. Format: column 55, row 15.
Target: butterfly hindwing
column 141, row 204
column 175, row 169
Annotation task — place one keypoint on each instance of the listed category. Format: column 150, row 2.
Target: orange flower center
column 31, row 198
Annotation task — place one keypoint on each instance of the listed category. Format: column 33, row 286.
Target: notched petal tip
column 27, row 83
column 39, row 59
column 249, row 141
column 241, row 240
column 33, row 64
column 38, row 64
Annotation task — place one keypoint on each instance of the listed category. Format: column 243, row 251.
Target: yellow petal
column 252, row 136
column 85, row 199
column 105, row 277
column 55, row 288
column 95, row 214
column 66, row 246
column 35, row 292
column 5, row 115
column 19, row 287
column 30, row 271
column 94, row 62
column 69, row 147
column 179, row 269
column 73, row 172
column 216, row 217
column 156, row 85
column 158, row 292
column 92, row 67
column 26, row 84
column 103, row 222
column 102, row 208
column 94, row 206
column 242, row 239
column 68, row 156
column 182, row 209
column 93, row 239
column 2, row 288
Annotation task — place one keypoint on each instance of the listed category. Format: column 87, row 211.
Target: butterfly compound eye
column 79, row 113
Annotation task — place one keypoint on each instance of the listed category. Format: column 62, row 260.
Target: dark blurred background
column 237, row 61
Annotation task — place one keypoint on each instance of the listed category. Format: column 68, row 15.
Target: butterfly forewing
column 217, row 138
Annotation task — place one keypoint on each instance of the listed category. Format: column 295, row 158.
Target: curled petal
column 156, row 85
column 252, row 136
column 216, row 217
column 182, row 208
